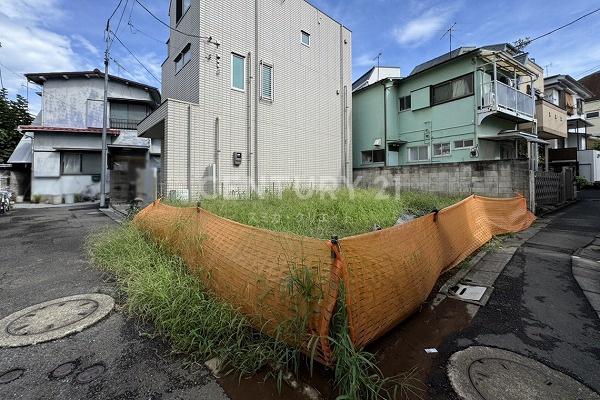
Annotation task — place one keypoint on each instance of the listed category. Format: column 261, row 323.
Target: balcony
column 510, row 102
column 552, row 120
column 127, row 124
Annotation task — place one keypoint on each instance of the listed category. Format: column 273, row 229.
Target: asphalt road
column 537, row 308
column 42, row 258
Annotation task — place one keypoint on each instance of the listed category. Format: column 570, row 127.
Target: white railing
column 507, row 98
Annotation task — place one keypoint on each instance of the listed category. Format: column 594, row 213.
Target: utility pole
column 449, row 33
column 105, row 120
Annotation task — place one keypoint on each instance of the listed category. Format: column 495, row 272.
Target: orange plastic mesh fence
column 387, row 274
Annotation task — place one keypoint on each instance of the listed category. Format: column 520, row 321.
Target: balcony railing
column 507, row 98
column 128, row 124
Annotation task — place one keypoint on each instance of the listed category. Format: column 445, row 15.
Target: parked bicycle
column 5, row 200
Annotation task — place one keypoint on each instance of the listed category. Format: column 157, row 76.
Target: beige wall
column 593, row 106
column 302, row 137
column 552, row 120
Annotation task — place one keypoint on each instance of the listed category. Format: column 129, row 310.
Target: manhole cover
column 90, row 373
column 483, row 373
column 53, row 319
column 11, row 375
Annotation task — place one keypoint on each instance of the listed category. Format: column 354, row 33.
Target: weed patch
column 323, row 214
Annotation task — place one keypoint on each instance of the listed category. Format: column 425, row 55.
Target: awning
column 22, row 153
column 506, row 62
column 515, row 135
column 578, row 121
column 60, row 129
column 153, row 126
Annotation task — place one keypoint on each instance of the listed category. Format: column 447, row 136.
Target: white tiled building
column 268, row 81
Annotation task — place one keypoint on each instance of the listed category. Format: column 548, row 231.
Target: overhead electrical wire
column 562, row 26
column 209, row 38
column 134, row 56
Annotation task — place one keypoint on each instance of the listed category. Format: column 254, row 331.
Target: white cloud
column 364, row 60
column 85, row 44
column 425, row 26
column 28, row 45
column 41, row 11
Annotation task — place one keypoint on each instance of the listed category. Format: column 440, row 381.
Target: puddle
column 400, row 350
column 404, row 347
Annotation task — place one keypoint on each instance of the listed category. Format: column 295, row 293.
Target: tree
column 12, row 114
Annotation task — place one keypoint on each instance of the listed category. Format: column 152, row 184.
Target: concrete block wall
column 499, row 178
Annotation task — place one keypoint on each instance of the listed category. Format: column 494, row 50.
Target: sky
column 67, row 35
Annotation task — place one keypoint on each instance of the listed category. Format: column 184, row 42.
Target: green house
column 471, row 104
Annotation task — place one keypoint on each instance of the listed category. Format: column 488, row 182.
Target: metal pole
column 104, row 126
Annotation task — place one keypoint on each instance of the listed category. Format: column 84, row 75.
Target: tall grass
column 356, row 373
column 323, row 214
column 160, row 291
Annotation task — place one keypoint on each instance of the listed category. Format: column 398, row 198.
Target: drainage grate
column 494, row 374
column 53, row 319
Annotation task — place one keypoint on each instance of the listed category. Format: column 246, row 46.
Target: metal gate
column 553, row 188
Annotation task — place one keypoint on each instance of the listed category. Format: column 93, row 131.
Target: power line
column 209, row 38
column 134, row 30
column 134, row 56
column 121, row 17
column 118, row 24
column 115, row 10
column 522, row 43
column 589, row 71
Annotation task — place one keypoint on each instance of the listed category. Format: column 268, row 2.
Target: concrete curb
column 486, row 266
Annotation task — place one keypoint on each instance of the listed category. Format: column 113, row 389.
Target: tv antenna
column 547, row 68
column 449, row 33
column 378, row 58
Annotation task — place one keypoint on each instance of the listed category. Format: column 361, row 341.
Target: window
column 305, row 38
column 266, row 82
column 418, row 153
column 441, row 149
column 463, row 144
column 183, row 58
column 579, row 106
column 373, row 156
column 80, row 163
column 181, row 6
column 127, row 115
column 238, row 72
column 452, row 90
column 593, row 114
column 404, row 103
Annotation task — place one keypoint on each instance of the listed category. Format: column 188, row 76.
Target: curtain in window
column 459, row 88
column 71, row 163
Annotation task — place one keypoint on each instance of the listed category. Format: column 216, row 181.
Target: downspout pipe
column 385, row 89
column 189, row 151
column 217, row 154
column 249, row 125
column 256, row 98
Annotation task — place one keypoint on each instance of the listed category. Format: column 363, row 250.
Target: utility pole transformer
column 104, row 122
